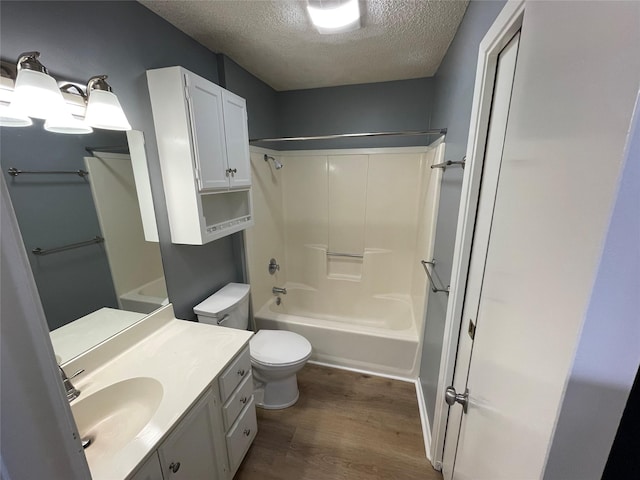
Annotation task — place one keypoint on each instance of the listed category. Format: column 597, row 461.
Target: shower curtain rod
column 437, row 131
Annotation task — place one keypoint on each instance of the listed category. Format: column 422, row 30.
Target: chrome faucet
column 72, row 392
column 278, row 291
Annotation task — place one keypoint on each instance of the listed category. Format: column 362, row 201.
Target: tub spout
column 279, row 291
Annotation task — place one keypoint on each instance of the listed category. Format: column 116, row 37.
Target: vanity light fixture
column 103, row 107
column 11, row 117
column 334, row 16
column 36, row 94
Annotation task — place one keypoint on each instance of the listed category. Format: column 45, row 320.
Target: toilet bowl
column 276, row 358
column 276, row 355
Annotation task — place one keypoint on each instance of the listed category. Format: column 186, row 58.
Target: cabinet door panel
column 150, row 470
column 189, row 451
column 207, row 129
column 237, row 139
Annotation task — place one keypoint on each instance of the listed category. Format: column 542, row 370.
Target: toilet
column 276, row 355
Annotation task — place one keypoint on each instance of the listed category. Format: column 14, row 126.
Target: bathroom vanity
column 166, row 399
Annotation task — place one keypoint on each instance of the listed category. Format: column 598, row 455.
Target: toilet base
column 276, row 394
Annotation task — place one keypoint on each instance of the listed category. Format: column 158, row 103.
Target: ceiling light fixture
column 334, row 16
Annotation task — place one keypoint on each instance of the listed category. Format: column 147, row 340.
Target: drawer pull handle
column 247, row 432
column 174, row 467
column 243, row 400
column 241, row 372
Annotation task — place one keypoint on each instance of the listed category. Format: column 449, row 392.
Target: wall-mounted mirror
column 95, row 271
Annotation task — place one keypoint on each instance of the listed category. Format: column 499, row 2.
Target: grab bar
column 350, row 255
column 40, row 251
column 434, row 287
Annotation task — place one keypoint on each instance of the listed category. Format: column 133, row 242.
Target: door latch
column 451, row 397
column 472, row 329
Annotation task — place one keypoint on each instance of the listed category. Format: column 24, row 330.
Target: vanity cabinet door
column 150, row 470
column 189, row 451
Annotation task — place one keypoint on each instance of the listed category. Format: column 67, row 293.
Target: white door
column 237, row 139
column 505, row 71
column 574, row 90
column 207, row 129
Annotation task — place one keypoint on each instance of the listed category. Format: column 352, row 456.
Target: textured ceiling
column 275, row 40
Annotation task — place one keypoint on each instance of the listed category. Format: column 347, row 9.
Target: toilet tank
column 228, row 307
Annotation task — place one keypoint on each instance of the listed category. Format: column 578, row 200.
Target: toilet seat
column 278, row 348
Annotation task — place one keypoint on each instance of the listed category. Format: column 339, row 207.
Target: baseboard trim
column 424, row 419
column 359, row 370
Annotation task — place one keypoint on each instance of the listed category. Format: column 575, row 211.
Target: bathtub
column 146, row 298
column 375, row 335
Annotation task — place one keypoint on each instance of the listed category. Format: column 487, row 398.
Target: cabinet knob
column 234, row 170
column 241, row 372
column 243, row 400
column 174, row 467
column 247, row 432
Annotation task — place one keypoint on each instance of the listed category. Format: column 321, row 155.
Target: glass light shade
column 66, row 123
column 37, row 95
column 337, row 19
column 104, row 111
column 12, row 117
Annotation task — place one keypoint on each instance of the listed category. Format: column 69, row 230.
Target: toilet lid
column 278, row 347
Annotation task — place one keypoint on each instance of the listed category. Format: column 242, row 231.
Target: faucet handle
column 71, row 391
column 77, row 373
column 64, row 375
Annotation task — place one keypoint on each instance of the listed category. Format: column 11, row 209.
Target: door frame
column 507, row 23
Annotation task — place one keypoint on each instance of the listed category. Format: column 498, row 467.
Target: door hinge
column 472, row 329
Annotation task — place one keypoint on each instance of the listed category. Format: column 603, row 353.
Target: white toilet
column 276, row 355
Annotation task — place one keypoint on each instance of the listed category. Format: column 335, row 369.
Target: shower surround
column 348, row 229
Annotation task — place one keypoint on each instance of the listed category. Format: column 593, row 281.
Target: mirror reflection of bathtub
column 146, row 298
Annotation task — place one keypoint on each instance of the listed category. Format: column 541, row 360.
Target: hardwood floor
column 345, row 426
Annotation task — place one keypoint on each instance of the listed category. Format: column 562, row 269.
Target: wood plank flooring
column 345, row 426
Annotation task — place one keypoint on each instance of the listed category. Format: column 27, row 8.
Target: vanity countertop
column 78, row 336
column 185, row 357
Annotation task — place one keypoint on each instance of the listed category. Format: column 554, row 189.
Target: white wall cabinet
column 203, row 144
column 211, row 440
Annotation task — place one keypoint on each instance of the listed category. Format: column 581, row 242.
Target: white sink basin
column 113, row 416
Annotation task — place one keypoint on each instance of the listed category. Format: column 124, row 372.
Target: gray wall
column 372, row 107
column 453, row 94
column 262, row 104
column 608, row 352
column 123, row 40
column 55, row 210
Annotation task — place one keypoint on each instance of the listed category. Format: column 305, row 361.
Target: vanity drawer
column 239, row 369
column 241, row 435
column 237, row 401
